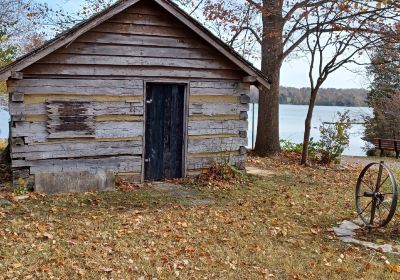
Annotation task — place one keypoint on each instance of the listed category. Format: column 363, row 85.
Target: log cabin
column 140, row 91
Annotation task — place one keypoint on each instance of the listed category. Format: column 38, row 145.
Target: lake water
column 291, row 120
column 4, row 119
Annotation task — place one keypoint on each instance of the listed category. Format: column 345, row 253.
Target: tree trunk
column 307, row 126
column 267, row 142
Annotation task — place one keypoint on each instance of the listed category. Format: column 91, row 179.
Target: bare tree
column 281, row 28
column 344, row 44
column 19, row 24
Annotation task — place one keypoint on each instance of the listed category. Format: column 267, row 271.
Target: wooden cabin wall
column 108, row 67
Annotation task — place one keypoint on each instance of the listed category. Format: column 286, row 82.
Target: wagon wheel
column 376, row 195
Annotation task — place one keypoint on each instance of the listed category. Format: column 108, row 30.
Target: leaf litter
column 275, row 228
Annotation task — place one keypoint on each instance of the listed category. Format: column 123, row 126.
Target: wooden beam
column 250, row 79
column 242, row 150
column 243, row 116
column 244, row 99
column 17, row 96
column 18, row 118
column 18, row 141
column 17, row 75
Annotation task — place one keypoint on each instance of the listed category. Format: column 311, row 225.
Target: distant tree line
column 326, row 97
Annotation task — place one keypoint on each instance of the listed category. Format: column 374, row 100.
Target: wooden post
column 250, row 79
column 244, row 99
column 17, row 97
column 17, row 75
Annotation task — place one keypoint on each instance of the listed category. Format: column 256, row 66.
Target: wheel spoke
column 365, row 207
column 379, row 179
column 368, row 185
column 384, row 181
column 386, row 207
column 379, row 213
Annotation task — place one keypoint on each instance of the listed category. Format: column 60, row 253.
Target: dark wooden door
column 164, row 131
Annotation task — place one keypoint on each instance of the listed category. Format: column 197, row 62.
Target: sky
column 294, row 70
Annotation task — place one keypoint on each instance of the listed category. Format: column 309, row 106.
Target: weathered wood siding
column 107, row 68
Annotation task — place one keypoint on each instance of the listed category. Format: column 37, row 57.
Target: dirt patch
column 184, row 195
column 259, row 172
column 363, row 161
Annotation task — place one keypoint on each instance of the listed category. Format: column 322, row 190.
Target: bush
column 335, row 138
column 222, row 175
column 290, row 146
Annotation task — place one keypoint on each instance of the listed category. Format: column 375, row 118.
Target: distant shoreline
column 319, row 105
column 326, row 97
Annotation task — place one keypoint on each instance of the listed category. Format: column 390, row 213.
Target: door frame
column 186, row 93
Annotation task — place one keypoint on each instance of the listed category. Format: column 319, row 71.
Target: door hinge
column 146, row 160
column 149, row 101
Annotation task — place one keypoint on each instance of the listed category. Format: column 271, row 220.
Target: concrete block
column 73, row 182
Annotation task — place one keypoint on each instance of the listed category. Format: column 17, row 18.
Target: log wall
column 107, row 68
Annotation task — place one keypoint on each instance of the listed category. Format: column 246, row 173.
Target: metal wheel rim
column 393, row 202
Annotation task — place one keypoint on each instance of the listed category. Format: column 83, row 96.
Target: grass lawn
column 275, row 228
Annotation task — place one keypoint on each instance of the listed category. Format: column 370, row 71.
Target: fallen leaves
column 394, row 267
column 272, row 229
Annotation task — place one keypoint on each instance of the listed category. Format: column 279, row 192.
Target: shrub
column 222, row 175
column 335, row 138
column 290, row 146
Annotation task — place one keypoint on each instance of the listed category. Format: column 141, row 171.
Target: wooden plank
column 147, row 8
column 17, row 142
column 140, row 71
column 137, row 29
column 211, row 109
column 144, row 19
column 208, row 145
column 138, row 51
column 214, row 99
column 243, row 116
column 99, row 108
column 79, row 86
column 17, row 96
column 245, row 99
column 18, row 118
column 43, row 98
column 220, row 85
column 214, row 118
column 115, row 164
column 76, row 150
column 68, row 37
column 195, row 163
column 218, row 91
column 216, row 127
column 136, row 61
column 83, row 91
column 15, row 75
column 141, row 40
column 250, row 79
column 37, row 132
column 86, row 83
